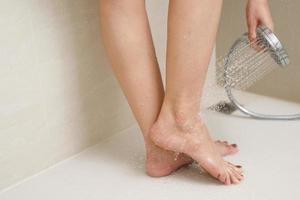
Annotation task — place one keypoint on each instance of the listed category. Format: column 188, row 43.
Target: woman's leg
column 128, row 42
column 192, row 27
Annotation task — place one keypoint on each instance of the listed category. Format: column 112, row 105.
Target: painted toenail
column 234, row 145
column 238, row 166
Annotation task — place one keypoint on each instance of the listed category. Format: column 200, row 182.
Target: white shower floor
column 114, row 169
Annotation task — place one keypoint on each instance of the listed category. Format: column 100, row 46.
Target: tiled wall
column 57, row 92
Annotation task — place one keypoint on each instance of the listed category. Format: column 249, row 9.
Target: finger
column 252, row 24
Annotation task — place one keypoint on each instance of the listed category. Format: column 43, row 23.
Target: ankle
column 181, row 114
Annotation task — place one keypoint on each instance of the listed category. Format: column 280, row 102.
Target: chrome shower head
column 247, row 62
column 276, row 49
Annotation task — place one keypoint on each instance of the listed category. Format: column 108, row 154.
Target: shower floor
column 114, row 168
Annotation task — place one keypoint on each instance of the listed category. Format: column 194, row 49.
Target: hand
column 258, row 13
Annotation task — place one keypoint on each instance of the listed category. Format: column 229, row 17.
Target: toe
column 235, row 177
column 234, row 173
column 236, row 167
column 239, row 176
column 227, row 180
column 237, row 172
column 222, row 177
column 234, row 145
column 232, row 148
column 225, row 148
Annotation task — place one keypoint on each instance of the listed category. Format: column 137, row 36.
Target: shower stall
column 66, row 131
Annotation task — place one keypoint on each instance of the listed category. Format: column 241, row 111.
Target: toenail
column 238, row 166
column 234, row 145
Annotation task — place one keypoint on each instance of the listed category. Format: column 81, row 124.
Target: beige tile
column 16, row 39
column 20, row 96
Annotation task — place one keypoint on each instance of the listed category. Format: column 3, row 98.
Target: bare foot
column 162, row 163
column 190, row 136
